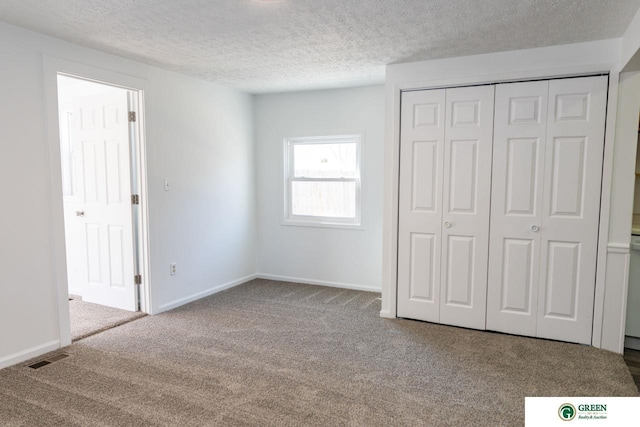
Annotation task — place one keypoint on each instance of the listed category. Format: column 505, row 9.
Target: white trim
column 386, row 314
column 30, row 353
column 53, row 66
column 609, row 329
column 505, row 78
column 625, row 287
column 610, row 302
column 144, row 290
column 617, row 344
column 214, row 290
column 618, row 248
column 76, row 292
column 306, row 281
column 605, row 208
column 316, row 223
column 390, row 199
column 288, row 218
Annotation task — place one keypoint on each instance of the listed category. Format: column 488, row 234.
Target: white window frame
column 317, row 221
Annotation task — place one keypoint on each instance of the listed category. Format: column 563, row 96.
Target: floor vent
column 40, row 364
column 48, row 361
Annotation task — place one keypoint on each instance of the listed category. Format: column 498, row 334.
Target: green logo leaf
column 567, row 412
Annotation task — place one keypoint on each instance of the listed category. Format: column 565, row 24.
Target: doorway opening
column 100, row 161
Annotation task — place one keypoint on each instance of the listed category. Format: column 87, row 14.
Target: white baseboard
column 386, row 314
column 30, row 353
column 317, row 282
column 216, row 289
column 206, row 293
column 76, row 292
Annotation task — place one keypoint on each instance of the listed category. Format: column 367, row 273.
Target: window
column 322, row 181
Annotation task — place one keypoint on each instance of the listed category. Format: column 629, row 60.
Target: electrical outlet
column 173, row 269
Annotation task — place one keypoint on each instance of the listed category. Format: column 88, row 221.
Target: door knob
column 535, row 228
column 79, row 213
column 447, row 224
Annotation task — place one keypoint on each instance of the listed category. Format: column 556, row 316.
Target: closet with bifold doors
column 445, row 184
column 499, row 204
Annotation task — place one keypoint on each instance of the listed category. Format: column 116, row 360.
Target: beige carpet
column 276, row 354
column 88, row 319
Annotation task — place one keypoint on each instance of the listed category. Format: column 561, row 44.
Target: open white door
column 97, row 203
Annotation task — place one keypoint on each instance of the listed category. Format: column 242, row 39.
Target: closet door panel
column 516, row 206
column 420, row 204
column 466, row 190
column 571, row 207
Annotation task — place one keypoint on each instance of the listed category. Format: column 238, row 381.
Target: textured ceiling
column 261, row 46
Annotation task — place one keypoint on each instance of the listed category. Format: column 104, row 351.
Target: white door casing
column 539, row 190
column 98, row 216
column 466, row 192
column 420, row 204
column 571, row 207
column 74, row 228
column 516, row 206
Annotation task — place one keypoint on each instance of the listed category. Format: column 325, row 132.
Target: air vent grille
column 48, row 360
column 40, row 364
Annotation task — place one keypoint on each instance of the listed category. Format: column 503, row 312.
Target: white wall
column 630, row 49
column 198, row 134
column 343, row 257
column 203, row 142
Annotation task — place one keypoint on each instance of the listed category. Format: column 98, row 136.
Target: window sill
column 321, row 224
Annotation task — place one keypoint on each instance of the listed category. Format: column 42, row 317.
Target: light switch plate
column 167, row 185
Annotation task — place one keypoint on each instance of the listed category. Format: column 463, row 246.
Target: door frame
column 532, row 64
column 54, row 66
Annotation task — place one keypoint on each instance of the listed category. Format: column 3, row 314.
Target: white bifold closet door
column 547, row 169
column 445, row 183
column 420, row 204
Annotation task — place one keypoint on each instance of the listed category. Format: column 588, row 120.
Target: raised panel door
column 98, row 216
column 420, row 204
column 466, row 193
column 516, row 206
column 571, row 207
